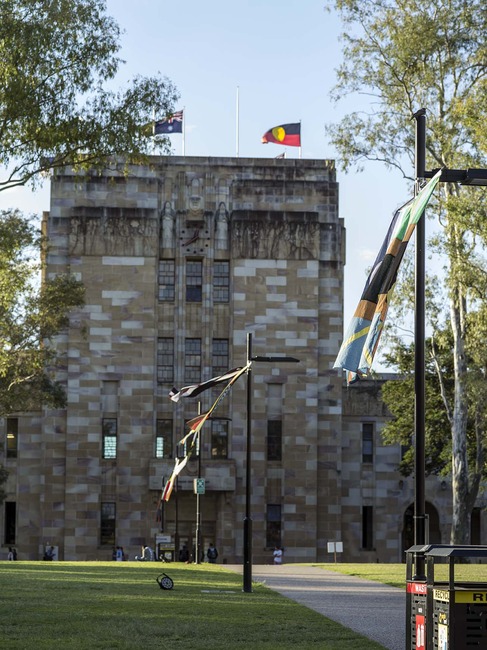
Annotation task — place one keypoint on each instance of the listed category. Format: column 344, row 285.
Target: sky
column 282, row 57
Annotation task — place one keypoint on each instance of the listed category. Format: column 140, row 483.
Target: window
column 10, row 524
column 12, row 437
column 221, row 282
column 273, row 525
column 274, row 422
column 192, row 361
column 165, row 360
column 219, row 439
column 274, row 439
column 219, row 357
column 367, row 442
column 367, row 528
column 166, row 280
column 107, row 523
column 194, row 280
column 109, row 428
column 109, row 396
column 163, row 439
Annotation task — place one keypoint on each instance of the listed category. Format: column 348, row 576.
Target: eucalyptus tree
column 58, row 99
column 402, row 55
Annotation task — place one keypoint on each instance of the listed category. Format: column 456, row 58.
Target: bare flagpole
column 237, row 124
column 184, row 129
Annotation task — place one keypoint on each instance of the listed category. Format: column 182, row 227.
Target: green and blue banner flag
column 363, row 335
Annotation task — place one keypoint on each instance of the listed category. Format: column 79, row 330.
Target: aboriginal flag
column 289, row 134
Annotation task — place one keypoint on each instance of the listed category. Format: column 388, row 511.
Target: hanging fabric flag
column 173, row 123
column 362, row 337
column 196, row 389
column 289, row 134
column 195, row 426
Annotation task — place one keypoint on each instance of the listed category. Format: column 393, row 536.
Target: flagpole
column 237, row 124
column 299, row 139
column 184, row 129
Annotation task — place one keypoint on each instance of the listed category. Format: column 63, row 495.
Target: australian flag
column 171, row 124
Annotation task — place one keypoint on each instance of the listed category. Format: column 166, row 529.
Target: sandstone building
column 182, row 259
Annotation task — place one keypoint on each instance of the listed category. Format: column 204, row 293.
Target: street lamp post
column 472, row 177
column 247, row 537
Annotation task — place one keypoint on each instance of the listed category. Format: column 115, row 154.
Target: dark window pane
column 166, row 280
column 274, row 440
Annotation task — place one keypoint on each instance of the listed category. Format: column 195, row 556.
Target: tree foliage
column 58, row 60
column 32, row 314
column 404, row 55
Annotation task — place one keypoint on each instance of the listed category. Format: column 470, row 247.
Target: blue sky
column 282, row 56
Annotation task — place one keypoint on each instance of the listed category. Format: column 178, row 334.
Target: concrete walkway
column 374, row 610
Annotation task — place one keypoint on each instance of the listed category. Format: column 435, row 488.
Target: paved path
column 374, row 610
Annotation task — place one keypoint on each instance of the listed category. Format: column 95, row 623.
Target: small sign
column 199, row 485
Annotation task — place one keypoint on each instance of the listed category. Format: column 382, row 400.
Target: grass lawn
column 119, row 605
column 395, row 574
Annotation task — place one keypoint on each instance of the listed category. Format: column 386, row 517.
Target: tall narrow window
column 10, row 522
column 274, row 422
column 219, row 439
column 109, row 396
column 166, row 280
column 12, row 437
column 163, row 439
column 367, row 528
column 221, row 282
column 367, row 442
column 219, row 357
column 192, row 361
column 109, row 428
column 165, row 360
column 107, row 523
column 273, row 525
column 194, row 280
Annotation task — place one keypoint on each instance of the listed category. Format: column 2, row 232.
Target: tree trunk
column 460, row 530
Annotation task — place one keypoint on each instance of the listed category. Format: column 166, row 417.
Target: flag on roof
column 173, row 123
column 196, row 389
column 289, row 134
column 363, row 335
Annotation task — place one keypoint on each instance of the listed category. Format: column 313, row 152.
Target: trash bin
column 456, row 608
column 416, row 600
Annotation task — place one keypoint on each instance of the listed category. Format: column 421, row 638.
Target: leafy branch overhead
column 58, row 102
column 32, row 314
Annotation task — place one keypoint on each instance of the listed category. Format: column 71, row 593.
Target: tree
column 32, row 314
column 57, row 60
column 406, row 54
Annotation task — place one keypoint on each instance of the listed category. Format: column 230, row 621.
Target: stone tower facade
column 182, row 258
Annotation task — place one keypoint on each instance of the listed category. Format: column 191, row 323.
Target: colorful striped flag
column 363, row 335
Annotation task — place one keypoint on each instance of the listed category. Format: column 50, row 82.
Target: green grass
column 388, row 574
column 119, row 606
column 395, row 574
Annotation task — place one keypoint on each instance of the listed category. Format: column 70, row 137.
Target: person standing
column 212, row 554
column 277, row 555
column 10, row 555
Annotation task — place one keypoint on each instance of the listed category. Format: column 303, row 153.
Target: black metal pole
column 419, row 355
column 198, row 502
column 247, row 540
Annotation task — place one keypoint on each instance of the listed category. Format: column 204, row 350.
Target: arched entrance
column 433, row 534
